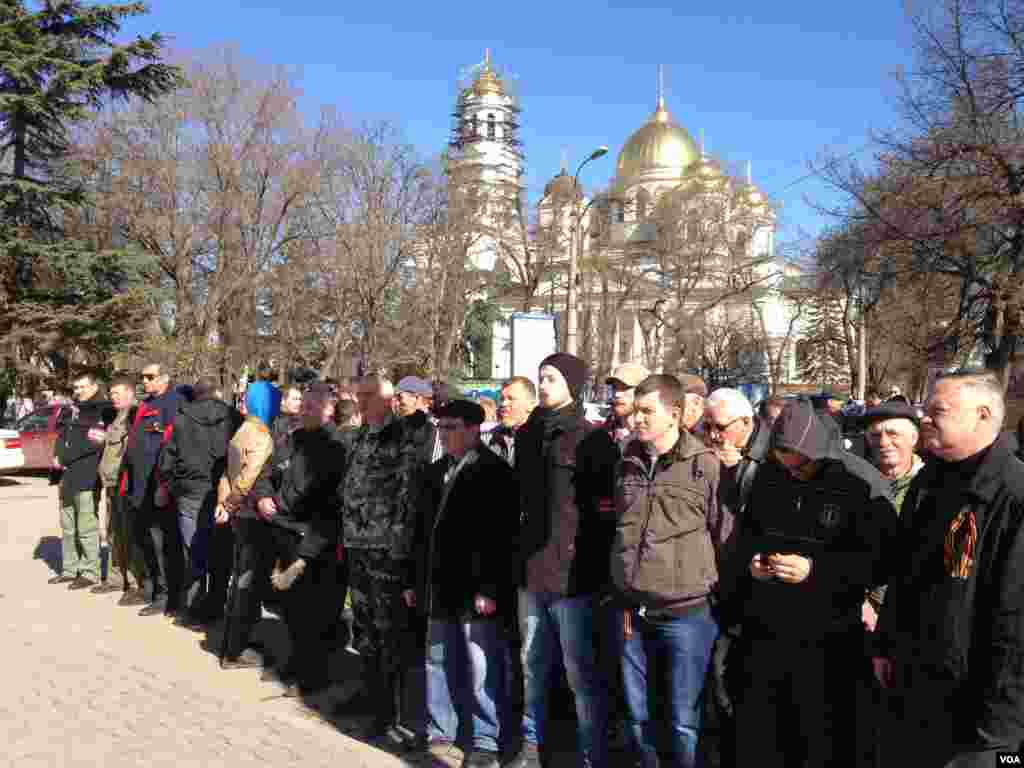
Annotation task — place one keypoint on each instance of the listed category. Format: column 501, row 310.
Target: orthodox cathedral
column 673, row 243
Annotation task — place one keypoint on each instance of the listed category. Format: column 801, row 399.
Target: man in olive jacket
column 951, row 631
column 670, row 527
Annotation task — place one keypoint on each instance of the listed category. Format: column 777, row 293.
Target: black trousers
column 221, row 559
column 796, row 701
column 927, row 721
column 253, row 553
column 158, row 536
column 307, row 608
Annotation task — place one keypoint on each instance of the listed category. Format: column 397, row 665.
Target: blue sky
column 773, row 83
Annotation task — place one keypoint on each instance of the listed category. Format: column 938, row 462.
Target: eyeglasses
column 719, row 429
column 150, row 376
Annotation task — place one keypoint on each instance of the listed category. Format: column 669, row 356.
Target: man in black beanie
column 566, row 475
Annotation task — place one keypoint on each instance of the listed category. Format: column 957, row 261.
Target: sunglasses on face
column 150, row 376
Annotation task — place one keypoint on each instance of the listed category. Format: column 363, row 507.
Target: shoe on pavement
column 527, row 757
column 61, row 579
column 481, row 758
column 158, row 608
column 440, row 754
column 188, row 621
column 133, row 597
column 82, row 582
column 247, row 659
column 268, row 675
column 104, row 588
column 388, row 735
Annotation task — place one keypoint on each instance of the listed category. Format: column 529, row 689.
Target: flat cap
column 693, row 385
column 629, row 374
column 469, row 412
column 892, row 410
column 414, row 385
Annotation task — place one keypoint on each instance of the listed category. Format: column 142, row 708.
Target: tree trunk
column 20, row 155
column 850, row 342
column 862, row 355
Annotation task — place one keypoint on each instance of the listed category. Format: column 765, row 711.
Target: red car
column 38, row 432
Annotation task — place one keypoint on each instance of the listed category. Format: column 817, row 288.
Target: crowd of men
column 689, row 562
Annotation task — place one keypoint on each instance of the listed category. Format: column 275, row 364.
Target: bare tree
column 207, row 181
column 703, row 256
column 375, row 195
column 790, row 298
column 532, row 256
column 949, row 182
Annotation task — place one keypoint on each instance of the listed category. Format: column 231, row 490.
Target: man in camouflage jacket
column 379, row 495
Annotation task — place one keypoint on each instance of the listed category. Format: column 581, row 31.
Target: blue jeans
column 466, row 664
column 195, row 523
column 551, row 624
column 676, row 652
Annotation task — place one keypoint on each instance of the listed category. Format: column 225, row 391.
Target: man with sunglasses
column 812, row 542
column 147, row 502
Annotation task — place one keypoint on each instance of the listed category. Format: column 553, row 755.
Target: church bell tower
column 485, row 158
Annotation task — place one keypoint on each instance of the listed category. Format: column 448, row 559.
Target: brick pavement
column 89, row 683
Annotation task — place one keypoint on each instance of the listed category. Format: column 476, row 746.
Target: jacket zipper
column 649, row 477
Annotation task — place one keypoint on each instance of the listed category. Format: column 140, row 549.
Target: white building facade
column 637, row 291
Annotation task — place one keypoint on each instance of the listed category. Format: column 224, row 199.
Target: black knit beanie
column 573, row 370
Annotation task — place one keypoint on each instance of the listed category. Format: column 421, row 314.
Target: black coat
column 194, row 459
column 152, row 426
column 303, row 478
column 967, row 633
column 463, row 545
column 79, row 456
column 843, row 519
column 737, row 482
column 566, row 471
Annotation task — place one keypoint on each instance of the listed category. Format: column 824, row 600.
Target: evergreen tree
column 59, row 63
column 822, row 358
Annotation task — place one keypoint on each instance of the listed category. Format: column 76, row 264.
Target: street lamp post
column 570, row 298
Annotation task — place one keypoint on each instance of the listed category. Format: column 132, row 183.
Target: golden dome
column 562, row 187
column 659, row 144
column 486, row 79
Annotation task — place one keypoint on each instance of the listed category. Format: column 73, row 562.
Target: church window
column 643, row 204
column 490, row 126
column 693, row 226
column 618, row 214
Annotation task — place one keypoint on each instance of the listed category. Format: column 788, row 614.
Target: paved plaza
column 89, row 683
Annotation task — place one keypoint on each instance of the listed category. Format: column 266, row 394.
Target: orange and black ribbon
column 961, row 541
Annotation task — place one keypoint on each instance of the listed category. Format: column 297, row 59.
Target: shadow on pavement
column 270, row 639
column 49, row 551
